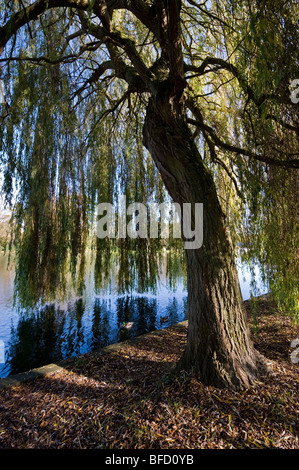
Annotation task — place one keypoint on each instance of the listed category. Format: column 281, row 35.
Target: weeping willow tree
column 157, row 100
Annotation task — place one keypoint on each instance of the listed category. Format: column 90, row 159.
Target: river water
column 59, row 331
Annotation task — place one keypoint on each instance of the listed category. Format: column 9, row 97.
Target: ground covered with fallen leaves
column 126, row 399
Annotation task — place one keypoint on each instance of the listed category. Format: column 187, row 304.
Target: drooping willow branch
column 224, row 64
column 65, row 59
column 199, row 122
column 217, row 160
column 113, row 40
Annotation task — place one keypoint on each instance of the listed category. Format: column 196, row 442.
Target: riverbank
column 125, row 399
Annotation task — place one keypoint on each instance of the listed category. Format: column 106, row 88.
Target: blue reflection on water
column 56, row 332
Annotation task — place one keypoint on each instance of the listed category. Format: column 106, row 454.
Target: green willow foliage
column 263, row 38
column 59, row 160
column 65, row 146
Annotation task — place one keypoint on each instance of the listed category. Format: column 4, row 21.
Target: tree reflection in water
column 51, row 334
column 56, row 332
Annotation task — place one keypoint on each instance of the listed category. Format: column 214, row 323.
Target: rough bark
column 219, row 349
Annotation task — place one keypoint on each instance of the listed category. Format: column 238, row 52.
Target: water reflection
column 52, row 334
column 35, row 340
column 57, row 331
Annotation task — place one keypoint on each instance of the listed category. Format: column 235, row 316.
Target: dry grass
column 125, row 399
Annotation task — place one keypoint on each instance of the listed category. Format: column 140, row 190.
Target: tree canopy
column 78, row 76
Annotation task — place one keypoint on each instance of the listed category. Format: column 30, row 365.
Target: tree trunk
column 219, row 349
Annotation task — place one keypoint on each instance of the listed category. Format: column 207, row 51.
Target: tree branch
column 64, row 59
column 199, row 122
column 31, row 13
column 143, row 12
column 111, row 110
column 112, row 39
column 217, row 160
column 200, row 70
column 138, row 7
column 283, row 123
column 174, row 40
column 108, row 65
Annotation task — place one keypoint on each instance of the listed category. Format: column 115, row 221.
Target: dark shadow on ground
column 127, row 398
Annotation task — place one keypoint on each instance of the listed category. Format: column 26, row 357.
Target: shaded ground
column 125, row 399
